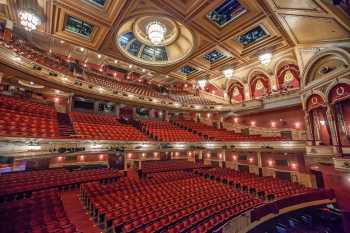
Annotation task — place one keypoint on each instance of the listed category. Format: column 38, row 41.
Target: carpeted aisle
column 77, row 213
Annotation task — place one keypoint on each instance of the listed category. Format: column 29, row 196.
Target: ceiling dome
column 134, row 42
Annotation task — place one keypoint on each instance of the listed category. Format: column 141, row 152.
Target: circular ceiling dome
column 133, row 41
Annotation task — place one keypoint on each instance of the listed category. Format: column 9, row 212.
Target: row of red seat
column 266, row 187
column 42, row 213
column 137, row 88
column 22, row 182
column 23, row 118
column 192, row 99
column 162, row 206
column 104, row 127
column 170, row 165
column 165, row 131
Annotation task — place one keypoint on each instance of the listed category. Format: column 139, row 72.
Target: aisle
column 77, row 214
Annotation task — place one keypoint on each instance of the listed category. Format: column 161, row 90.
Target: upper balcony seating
column 52, row 61
column 167, row 132
column 103, row 127
column 42, row 212
column 192, row 99
column 221, row 134
column 116, row 85
column 23, row 182
column 163, row 203
column 169, row 165
column 24, row 118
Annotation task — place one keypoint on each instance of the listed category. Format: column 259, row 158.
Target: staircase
column 65, row 126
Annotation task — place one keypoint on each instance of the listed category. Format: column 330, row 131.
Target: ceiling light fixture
column 265, row 58
column 228, row 73
column 156, row 32
column 29, row 19
column 202, row 83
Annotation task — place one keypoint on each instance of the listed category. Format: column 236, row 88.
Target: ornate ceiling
column 220, row 33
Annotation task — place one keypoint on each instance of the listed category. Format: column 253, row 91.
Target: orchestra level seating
column 42, row 212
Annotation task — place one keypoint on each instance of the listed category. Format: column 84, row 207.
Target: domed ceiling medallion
column 155, row 41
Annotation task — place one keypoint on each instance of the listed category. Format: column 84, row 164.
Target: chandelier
column 228, row 73
column 29, row 20
column 202, row 83
column 265, row 58
column 156, row 32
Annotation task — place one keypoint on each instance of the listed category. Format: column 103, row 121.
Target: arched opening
column 319, row 124
column 339, row 98
column 236, row 92
column 259, row 86
column 288, row 77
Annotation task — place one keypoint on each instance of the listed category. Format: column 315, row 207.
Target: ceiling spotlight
column 156, row 32
column 130, row 66
column 143, row 70
column 82, row 49
column 99, row 56
column 29, row 19
column 202, row 83
column 115, row 61
column 228, row 73
column 62, row 41
column 265, row 58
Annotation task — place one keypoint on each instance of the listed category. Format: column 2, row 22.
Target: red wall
column 296, row 158
column 264, row 119
column 339, row 182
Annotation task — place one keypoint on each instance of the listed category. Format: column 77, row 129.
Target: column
column 246, row 92
column 166, row 115
column 125, row 161
column 134, row 114
column 96, row 103
column 117, row 110
column 309, row 128
column 70, row 103
column 334, row 130
column 200, row 155
column 331, row 125
column 151, row 113
column 259, row 159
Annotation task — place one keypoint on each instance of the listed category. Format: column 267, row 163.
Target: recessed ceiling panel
column 308, row 29
column 226, row 12
column 252, row 36
column 214, row 56
column 78, row 26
